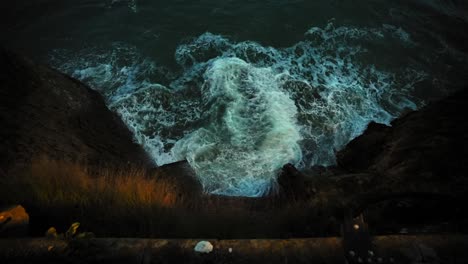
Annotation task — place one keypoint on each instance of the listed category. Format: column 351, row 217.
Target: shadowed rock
column 414, row 172
column 182, row 175
column 423, row 149
column 360, row 153
column 46, row 113
column 292, row 184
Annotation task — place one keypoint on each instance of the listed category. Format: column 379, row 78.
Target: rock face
column 292, row 183
column 14, row 222
column 359, row 154
column 412, row 174
column 423, row 150
column 187, row 183
column 46, row 113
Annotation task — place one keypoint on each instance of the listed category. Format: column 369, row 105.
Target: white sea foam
column 238, row 111
column 252, row 131
column 336, row 95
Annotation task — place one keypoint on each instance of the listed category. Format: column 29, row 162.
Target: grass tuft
column 131, row 203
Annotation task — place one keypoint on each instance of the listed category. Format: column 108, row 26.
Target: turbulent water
column 240, row 88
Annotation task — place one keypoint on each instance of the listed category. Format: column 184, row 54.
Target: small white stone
column 230, row 250
column 352, row 253
column 370, row 252
column 356, row 227
column 204, row 247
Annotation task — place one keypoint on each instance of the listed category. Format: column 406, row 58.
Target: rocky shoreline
column 46, row 113
column 410, row 177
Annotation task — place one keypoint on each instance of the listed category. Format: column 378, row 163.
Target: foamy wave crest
column 251, row 133
column 125, row 79
column 238, row 111
column 335, row 92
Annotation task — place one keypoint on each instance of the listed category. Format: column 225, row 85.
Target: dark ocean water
column 241, row 87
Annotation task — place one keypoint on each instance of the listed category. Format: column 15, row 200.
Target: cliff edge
column 46, row 113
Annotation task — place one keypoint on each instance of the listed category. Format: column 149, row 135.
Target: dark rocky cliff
column 425, row 150
column 420, row 161
column 46, row 113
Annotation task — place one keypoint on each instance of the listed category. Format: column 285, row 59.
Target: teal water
column 239, row 88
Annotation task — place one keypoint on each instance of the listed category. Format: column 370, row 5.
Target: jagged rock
column 422, row 150
column 360, row 153
column 183, row 177
column 14, row 222
column 414, row 171
column 292, row 183
column 46, row 113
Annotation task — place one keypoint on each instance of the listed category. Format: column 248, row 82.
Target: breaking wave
column 238, row 111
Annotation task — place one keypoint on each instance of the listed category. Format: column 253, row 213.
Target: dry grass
column 52, row 183
column 120, row 201
column 129, row 203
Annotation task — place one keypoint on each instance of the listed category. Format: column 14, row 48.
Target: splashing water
column 252, row 130
column 238, row 111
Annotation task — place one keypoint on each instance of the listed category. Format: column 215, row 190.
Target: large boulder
column 46, row 113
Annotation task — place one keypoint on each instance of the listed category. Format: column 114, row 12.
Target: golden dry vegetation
column 130, row 202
